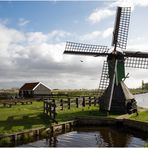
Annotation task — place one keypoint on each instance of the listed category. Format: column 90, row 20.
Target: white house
column 34, row 89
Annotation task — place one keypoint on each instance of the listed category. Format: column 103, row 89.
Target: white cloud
column 31, row 56
column 23, row 22
column 130, row 3
column 36, row 37
column 7, row 37
column 4, row 21
column 90, row 36
column 108, row 32
column 100, row 14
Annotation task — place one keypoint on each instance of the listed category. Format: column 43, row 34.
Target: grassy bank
column 143, row 116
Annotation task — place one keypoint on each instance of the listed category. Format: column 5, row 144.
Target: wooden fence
column 50, row 108
column 51, row 105
column 10, row 102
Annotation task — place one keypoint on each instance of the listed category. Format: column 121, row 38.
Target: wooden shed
column 34, row 89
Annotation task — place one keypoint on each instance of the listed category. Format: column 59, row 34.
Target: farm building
column 34, row 90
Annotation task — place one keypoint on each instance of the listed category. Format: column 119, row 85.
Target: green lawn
column 23, row 117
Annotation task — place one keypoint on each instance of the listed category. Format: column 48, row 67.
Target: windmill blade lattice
column 104, row 81
column 85, row 49
column 120, row 33
column 135, row 62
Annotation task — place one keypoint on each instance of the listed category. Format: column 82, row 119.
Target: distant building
column 144, row 85
column 35, row 89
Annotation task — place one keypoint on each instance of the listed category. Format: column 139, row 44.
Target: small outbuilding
column 36, row 89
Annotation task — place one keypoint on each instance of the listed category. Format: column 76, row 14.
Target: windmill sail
column 104, row 81
column 121, row 27
column 135, row 62
column 136, row 59
column 85, row 49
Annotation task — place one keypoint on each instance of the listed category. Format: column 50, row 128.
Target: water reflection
column 95, row 137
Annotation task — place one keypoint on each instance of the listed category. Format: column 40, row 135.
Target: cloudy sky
column 33, row 37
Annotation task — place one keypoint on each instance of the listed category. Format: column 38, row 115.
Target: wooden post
column 54, row 111
column 14, row 139
column 68, row 103
column 77, row 103
column 43, row 106
column 83, row 103
column 95, row 101
column 89, row 99
column 46, row 107
column 50, row 108
column 61, row 104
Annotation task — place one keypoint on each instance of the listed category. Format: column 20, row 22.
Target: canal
column 142, row 100
column 98, row 136
column 94, row 137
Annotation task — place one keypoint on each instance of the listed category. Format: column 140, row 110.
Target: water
column 142, row 100
column 94, row 137
column 98, row 137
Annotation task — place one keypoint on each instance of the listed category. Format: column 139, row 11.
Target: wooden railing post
column 95, row 101
column 53, row 115
column 77, row 103
column 83, row 102
column 89, row 99
column 44, row 109
column 50, row 109
column 46, row 106
column 61, row 104
column 68, row 103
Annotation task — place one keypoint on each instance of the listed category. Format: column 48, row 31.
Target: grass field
column 23, row 117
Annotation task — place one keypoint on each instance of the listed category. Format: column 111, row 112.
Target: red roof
column 29, row 86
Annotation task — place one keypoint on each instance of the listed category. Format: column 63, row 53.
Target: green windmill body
column 120, row 68
column 116, row 100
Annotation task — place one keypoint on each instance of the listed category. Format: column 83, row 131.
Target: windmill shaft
column 137, row 54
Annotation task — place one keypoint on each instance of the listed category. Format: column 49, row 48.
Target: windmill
column 113, row 93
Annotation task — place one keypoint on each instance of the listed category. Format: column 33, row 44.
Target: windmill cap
column 117, row 49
